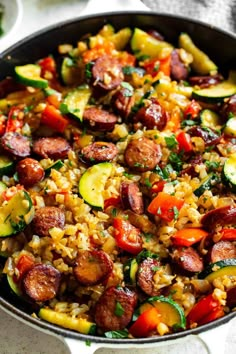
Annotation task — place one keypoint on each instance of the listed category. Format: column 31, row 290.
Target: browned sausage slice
column 231, row 297
column 188, row 259
column 99, row 151
column 152, row 116
column 16, row 144
column 146, row 271
column 131, row 197
column 92, row 267
column 122, row 103
column 106, row 315
column 46, row 218
column 142, row 154
column 29, row 172
column 222, row 250
column 205, row 81
column 54, row 148
column 41, row 283
column 178, row 70
column 99, row 119
column 220, row 216
column 107, row 72
column 229, row 107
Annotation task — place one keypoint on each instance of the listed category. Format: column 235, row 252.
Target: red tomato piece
column 184, row 141
column 113, row 201
column 127, row 236
column 228, row 234
column 166, row 206
column 189, row 236
column 203, row 308
column 52, row 117
column 154, row 66
column 47, row 64
column 24, row 264
column 192, row 110
column 158, row 186
column 15, row 120
column 145, row 323
column 216, row 313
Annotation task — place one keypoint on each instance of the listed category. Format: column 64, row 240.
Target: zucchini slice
column 171, row 313
column 201, row 64
column 142, row 44
column 229, row 172
column 219, row 269
column 29, row 75
column 56, row 166
column 16, row 214
column 219, row 92
column 14, row 286
column 92, row 184
column 207, row 183
column 130, row 271
column 80, row 325
column 230, row 127
column 210, row 119
column 6, row 165
column 3, row 187
column 75, row 101
column 70, row 72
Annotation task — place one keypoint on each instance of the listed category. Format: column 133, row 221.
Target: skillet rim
column 47, row 327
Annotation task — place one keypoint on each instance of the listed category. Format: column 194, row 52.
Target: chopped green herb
column 212, row 165
column 159, row 211
column 176, row 161
column 176, row 212
column 128, row 175
column 129, row 90
column 155, row 268
column 119, row 310
column 147, row 183
column 143, row 57
column 148, row 236
column 88, row 70
column 138, row 164
column 88, row 342
column 128, row 70
column 171, row 141
column 144, row 254
column 123, row 333
column 188, row 123
column 114, row 212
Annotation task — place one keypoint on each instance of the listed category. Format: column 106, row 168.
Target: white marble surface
column 16, row 337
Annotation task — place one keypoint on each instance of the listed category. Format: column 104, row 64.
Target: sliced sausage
column 46, row 218
column 99, row 119
column 131, row 197
column 9, row 85
column 54, row 148
column 193, row 162
column 188, row 259
column 205, row 81
column 92, row 267
column 222, row 250
column 17, row 144
column 29, row 172
column 231, row 297
column 41, row 283
column 152, row 116
column 105, row 310
column 107, row 72
column 146, row 271
column 155, row 34
column 178, row 70
column 229, row 107
column 99, row 151
column 221, row 216
column 142, row 154
column 122, row 102
column 208, row 135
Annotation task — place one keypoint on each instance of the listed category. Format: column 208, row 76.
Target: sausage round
column 152, row 116
column 17, row 144
column 54, row 148
column 146, row 271
column 222, row 250
column 208, row 135
column 131, row 197
column 41, row 283
column 92, row 267
column 99, row 119
column 142, row 154
column 107, row 72
column 187, row 259
column 205, row 81
column 46, row 218
column 29, row 172
column 122, row 103
column 220, row 216
column 229, row 107
column 105, row 316
column 178, row 70
column 99, row 151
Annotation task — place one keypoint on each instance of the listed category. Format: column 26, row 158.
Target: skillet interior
column 219, row 45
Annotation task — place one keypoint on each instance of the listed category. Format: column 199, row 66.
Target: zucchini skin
column 220, row 268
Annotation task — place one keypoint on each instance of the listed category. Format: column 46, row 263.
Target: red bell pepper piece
column 166, row 206
column 47, row 64
column 184, row 141
column 54, row 100
column 188, row 237
column 192, row 110
column 52, row 117
column 127, row 236
column 216, row 313
column 112, row 201
column 145, row 323
column 24, row 264
column 202, row 309
column 154, row 66
column 15, row 120
column 158, row 186
column 228, row 234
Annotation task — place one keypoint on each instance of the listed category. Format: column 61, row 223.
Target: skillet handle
column 95, row 6
column 214, row 339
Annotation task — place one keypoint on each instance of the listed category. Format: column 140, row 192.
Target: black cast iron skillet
column 219, row 45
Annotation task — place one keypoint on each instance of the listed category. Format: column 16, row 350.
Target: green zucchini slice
column 92, row 184
column 75, row 101
column 29, row 75
column 171, row 313
column 70, row 72
column 201, row 64
column 142, row 44
column 55, row 166
column 229, row 171
column 209, row 118
column 16, row 214
column 130, row 271
column 207, row 183
column 230, row 127
column 14, row 286
column 219, row 92
column 6, row 165
column 219, row 269
column 80, row 325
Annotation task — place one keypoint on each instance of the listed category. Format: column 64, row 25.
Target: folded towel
column 220, row 13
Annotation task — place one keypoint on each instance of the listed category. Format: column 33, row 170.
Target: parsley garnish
column 176, row 212
column 123, row 333
column 128, row 175
column 171, row 142
column 175, row 160
column 188, row 123
column 147, row 183
column 128, row 70
column 128, row 92
column 88, row 69
column 114, row 212
column 119, row 310
column 212, row 165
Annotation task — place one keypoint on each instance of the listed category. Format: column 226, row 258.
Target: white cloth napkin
column 220, row 13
